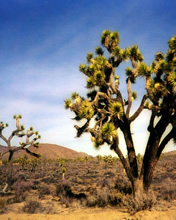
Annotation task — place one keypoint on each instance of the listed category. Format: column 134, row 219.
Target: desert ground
column 84, row 188
column 92, row 214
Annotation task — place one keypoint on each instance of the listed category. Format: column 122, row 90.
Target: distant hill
column 47, row 151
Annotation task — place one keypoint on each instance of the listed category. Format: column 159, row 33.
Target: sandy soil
column 94, row 213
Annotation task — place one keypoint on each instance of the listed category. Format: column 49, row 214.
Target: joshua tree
column 30, row 138
column 63, row 173
column 106, row 107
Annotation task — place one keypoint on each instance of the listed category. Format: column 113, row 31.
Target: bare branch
column 165, row 141
column 32, row 153
column 99, row 94
column 115, row 147
column 3, row 138
column 81, row 130
column 139, row 110
column 129, row 97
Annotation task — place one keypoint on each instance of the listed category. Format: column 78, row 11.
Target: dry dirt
column 90, row 214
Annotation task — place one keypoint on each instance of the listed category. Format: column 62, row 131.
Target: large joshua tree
column 30, row 137
column 106, row 107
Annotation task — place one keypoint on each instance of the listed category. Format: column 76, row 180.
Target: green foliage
column 144, row 70
column 116, row 51
column 116, row 109
column 63, row 170
column 115, row 36
column 128, row 71
column 86, row 110
column 108, row 130
column 89, row 57
column 92, row 68
column 90, row 82
column 105, row 37
column 99, row 51
column 98, row 142
column 74, row 95
column 135, row 53
column 67, row 103
column 172, row 43
column 171, row 78
column 99, row 76
column 159, row 56
column 134, row 95
column 82, row 68
column 22, row 127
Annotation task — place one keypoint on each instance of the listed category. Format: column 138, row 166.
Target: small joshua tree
column 30, row 138
column 63, row 173
column 105, row 105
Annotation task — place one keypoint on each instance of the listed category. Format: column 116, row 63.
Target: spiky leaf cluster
column 108, row 130
column 109, row 38
column 135, row 53
column 116, row 109
column 86, row 110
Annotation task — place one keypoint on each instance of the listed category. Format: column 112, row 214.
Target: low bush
column 20, row 187
column 32, row 207
column 2, row 205
column 44, row 190
column 140, row 202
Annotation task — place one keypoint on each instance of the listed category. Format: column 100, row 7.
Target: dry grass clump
column 32, row 207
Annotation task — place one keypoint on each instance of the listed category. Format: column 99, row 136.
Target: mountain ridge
column 47, row 151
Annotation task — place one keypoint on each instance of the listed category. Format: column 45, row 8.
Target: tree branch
column 3, row 138
column 32, row 153
column 81, row 130
column 15, row 132
column 99, row 94
column 165, row 141
column 115, row 147
column 139, row 110
column 129, row 97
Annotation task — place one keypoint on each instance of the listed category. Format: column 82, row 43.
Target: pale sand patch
column 95, row 214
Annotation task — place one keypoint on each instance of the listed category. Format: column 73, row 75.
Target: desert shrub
column 140, row 202
column 43, row 190
column 115, row 198
column 49, row 180
column 168, row 189
column 32, row 207
column 99, row 198
column 20, row 187
column 91, row 201
column 64, row 188
column 2, row 205
column 66, row 195
column 49, row 208
column 123, row 186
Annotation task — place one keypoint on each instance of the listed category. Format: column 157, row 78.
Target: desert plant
column 23, row 161
column 2, row 205
column 32, row 207
column 140, row 202
column 20, row 187
column 63, row 173
column 31, row 138
column 44, row 190
column 110, row 112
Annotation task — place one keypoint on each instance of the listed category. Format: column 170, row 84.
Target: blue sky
column 42, row 43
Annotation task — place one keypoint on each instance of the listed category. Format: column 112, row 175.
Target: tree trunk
column 126, row 129
column 138, row 188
